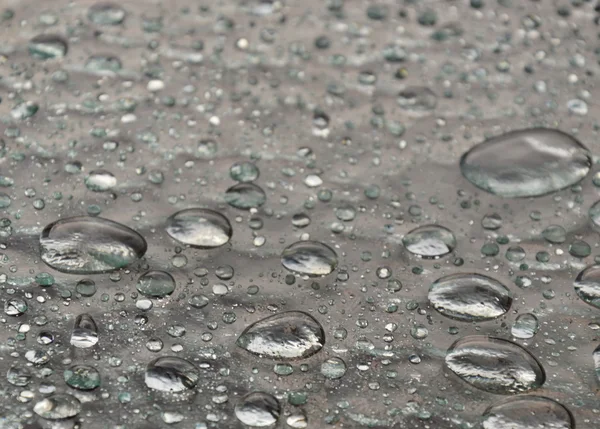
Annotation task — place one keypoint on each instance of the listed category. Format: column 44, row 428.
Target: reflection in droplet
column 88, row 245
column 156, row 284
column 201, row 228
column 429, row 241
column 106, row 14
column 526, row 163
column 171, row 374
column 82, row 377
column 100, row 181
column 470, row 297
column 528, row 412
column 245, row 196
column 58, row 407
column 587, row 285
column 85, row 332
column 18, row 376
column 495, row 365
column 333, row 368
column 525, row 326
column 258, row 409
column 311, row 258
column 48, row 46
column 595, row 214
column 596, row 358
column 285, row 336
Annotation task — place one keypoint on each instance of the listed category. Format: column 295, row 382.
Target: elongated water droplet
column 528, row 412
column 525, row 326
column 171, row 374
column 418, row 99
column 587, row 285
column 106, row 14
column 88, row 245
column 526, row 163
column 82, row 377
column 201, row 228
column 258, row 409
column 285, row 336
column 430, row 241
column 48, row 46
column 311, row 258
column 58, row 407
column 245, row 196
column 596, row 358
column 15, row 307
column 156, row 284
column 470, row 297
column 495, row 365
column 100, row 181
column 18, row 376
column 333, row 368
column 85, row 332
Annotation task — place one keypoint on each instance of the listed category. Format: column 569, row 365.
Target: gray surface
column 270, row 122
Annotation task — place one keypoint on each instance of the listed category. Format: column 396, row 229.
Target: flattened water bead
column 245, row 196
column 587, row 285
column 430, row 241
column 156, row 284
column 285, row 336
column 58, row 407
column 470, row 297
column 526, row 163
column 171, row 374
column 258, row 409
column 311, row 258
column 89, row 245
column 201, row 228
column 48, row 46
column 495, row 365
column 528, row 412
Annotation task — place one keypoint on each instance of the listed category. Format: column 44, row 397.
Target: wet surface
column 319, row 144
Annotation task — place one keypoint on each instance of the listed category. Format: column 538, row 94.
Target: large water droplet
column 285, row 336
column 85, row 332
column 245, row 196
column 58, row 407
column 333, row 368
column 156, row 284
column 470, row 297
column 429, row 241
column 106, row 14
column 596, row 358
column 199, row 228
column 18, row 376
column 47, row 46
column 525, row 326
column 587, row 285
column 526, row 163
column 258, row 409
column 311, row 258
column 88, row 245
column 82, row 377
column 100, row 181
column 495, row 365
column 528, row 412
column 171, row 374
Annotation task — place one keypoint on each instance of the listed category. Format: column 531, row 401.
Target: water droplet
column 171, row 374
column 528, row 412
column 156, row 284
column 495, row 365
column 285, row 336
column 100, row 181
column 18, row 376
column 258, row 409
column 525, row 326
column 88, row 245
column 85, row 332
column 418, row 99
column 333, row 368
column 429, row 241
column 48, row 46
column 201, row 228
column 596, row 358
column 245, row 196
column 491, row 222
column 58, row 407
column 15, row 307
column 587, row 285
column 311, row 258
column 526, row 163
column 470, row 297
column 106, row 14
column 82, row 377
column 244, row 172
column 554, row 234
column 595, row 214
